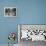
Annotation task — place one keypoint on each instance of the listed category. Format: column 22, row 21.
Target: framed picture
column 10, row 11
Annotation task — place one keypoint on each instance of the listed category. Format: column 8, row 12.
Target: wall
column 33, row 11
column 28, row 12
column 7, row 24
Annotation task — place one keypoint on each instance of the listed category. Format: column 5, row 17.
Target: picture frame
column 10, row 11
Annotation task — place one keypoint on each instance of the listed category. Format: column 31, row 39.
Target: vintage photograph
column 10, row 11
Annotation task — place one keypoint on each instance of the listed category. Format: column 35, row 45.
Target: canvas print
column 10, row 11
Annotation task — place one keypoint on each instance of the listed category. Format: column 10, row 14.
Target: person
column 7, row 12
column 14, row 11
